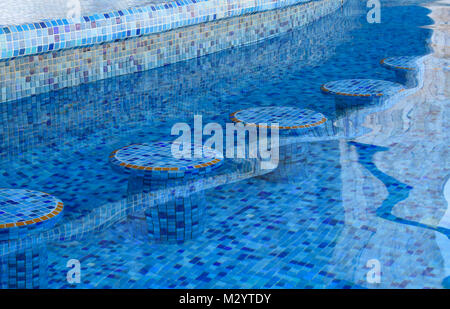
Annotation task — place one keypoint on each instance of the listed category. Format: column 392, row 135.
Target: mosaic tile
column 176, row 221
column 249, row 241
column 38, row 69
column 25, row 269
column 293, row 123
column 53, row 123
column 307, row 232
column 179, row 219
column 23, row 211
column 48, row 35
column 287, row 117
column 400, row 63
column 362, row 88
column 158, row 158
column 29, row 11
column 397, row 190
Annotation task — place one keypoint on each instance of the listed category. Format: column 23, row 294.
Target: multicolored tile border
column 38, row 60
column 19, row 207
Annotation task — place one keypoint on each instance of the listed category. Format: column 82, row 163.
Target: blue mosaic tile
column 293, row 122
column 157, row 159
column 362, row 88
column 180, row 219
column 23, row 211
column 25, row 269
column 106, row 27
column 309, row 232
column 401, row 62
column 286, row 117
column 109, row 47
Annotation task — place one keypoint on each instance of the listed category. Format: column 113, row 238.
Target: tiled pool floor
column 307, row 232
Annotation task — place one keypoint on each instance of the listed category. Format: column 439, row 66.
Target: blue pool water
column 297, row 232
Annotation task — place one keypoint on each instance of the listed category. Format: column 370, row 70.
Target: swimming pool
column 316, row 229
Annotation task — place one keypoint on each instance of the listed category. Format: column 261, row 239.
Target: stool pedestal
column 405, row 68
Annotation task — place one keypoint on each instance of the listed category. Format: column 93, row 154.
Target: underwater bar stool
column 355, row 94
column 405, row 68
column 24, row 213
column 153, row 167
column 293, row 122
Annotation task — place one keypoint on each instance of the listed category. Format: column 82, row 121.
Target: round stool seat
column 23, row 213
column 156, row 166
column 292, row 122
column 362, row 88
column 288, row 118
column 401, row 62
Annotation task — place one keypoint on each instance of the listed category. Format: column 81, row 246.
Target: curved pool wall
column 71, row 122
column 163, row 94
column 54, row 54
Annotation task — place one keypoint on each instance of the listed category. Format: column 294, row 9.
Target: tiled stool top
column 157, row 158
column 22, row 209
column 286, row 117
column 362, row 87
column 400, row 63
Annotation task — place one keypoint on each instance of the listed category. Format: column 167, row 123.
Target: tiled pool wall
column 51, row 55
column 164, row 94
